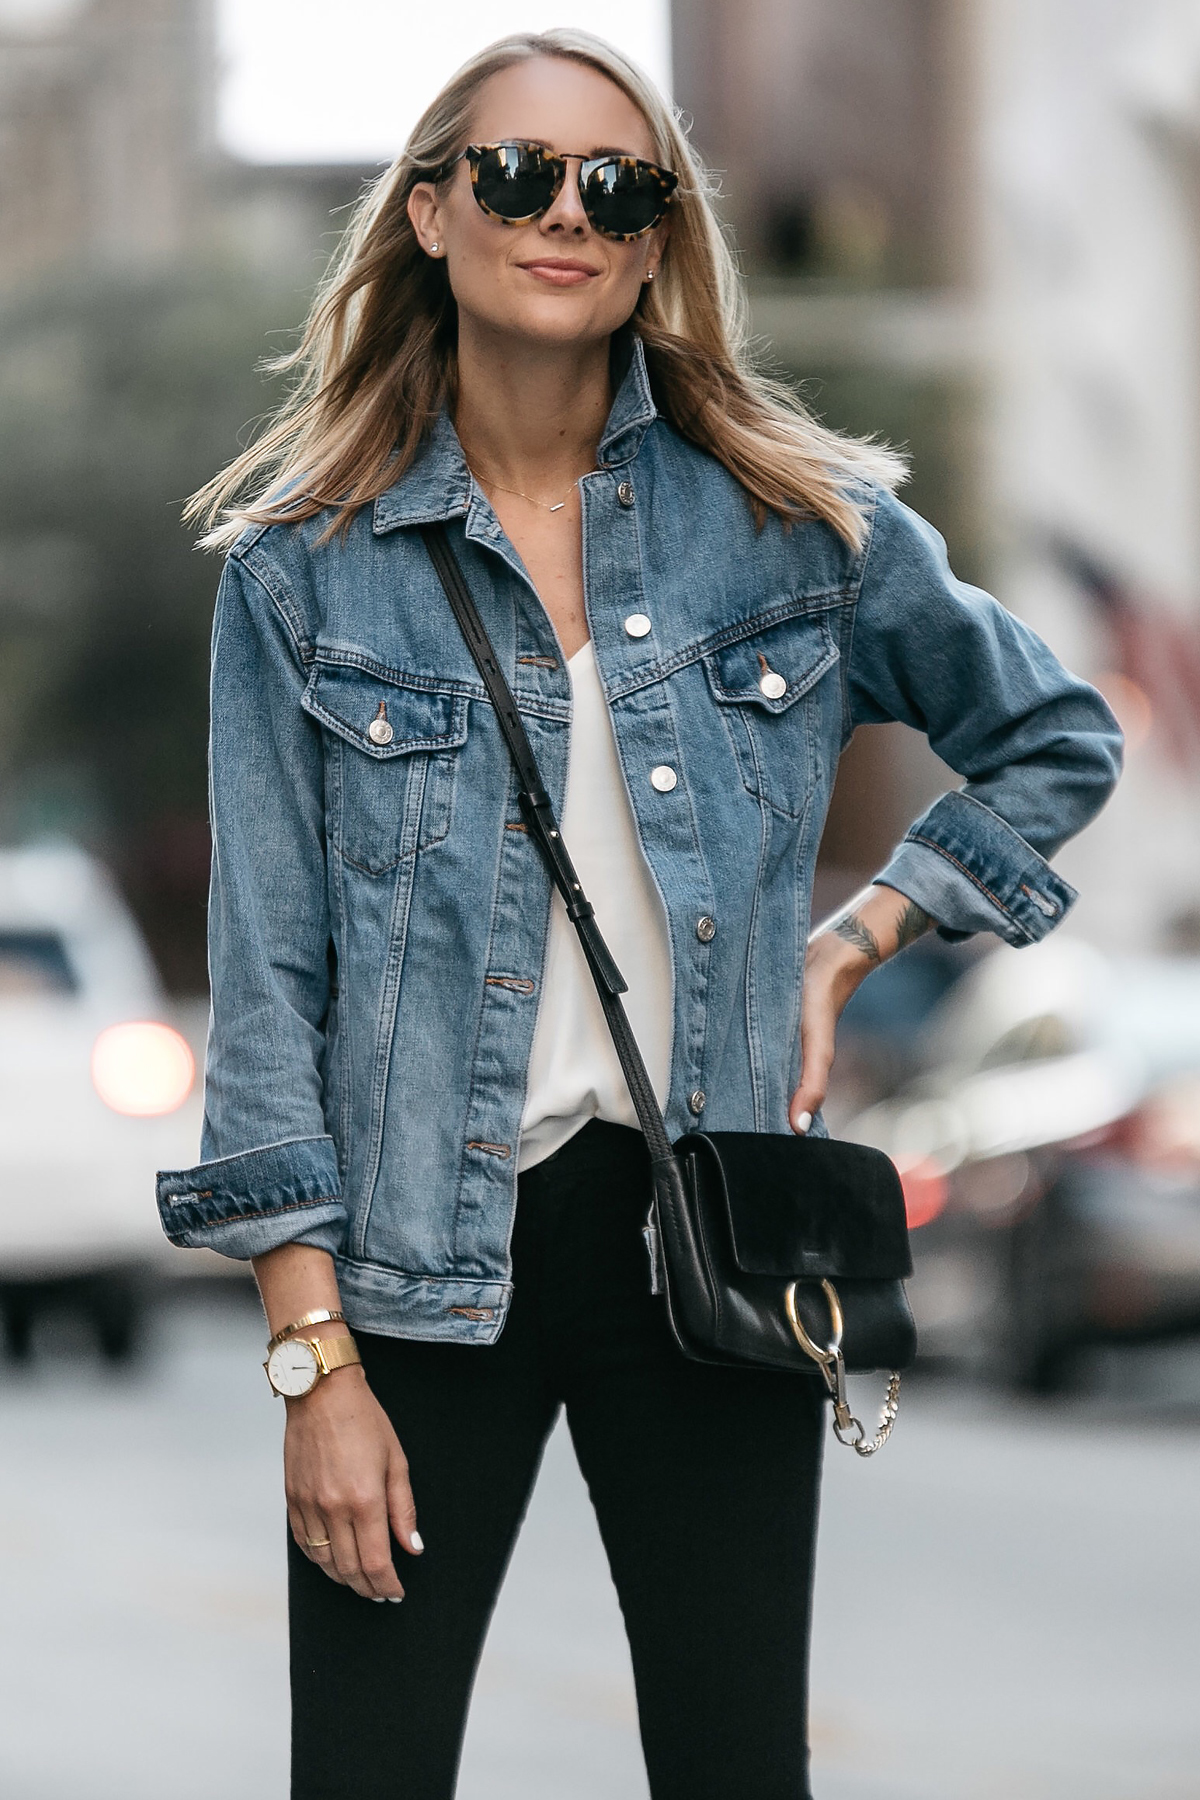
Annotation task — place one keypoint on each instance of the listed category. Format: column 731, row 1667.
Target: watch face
column 292, row 1367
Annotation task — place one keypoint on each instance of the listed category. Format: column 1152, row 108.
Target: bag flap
column 811, row 1207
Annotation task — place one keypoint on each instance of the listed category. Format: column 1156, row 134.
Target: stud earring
column 433, row 249
column 649, row 275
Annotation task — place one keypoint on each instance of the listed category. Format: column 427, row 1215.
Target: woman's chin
column 557, row 320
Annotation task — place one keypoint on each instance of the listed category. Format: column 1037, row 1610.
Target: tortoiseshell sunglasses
column 623, row 196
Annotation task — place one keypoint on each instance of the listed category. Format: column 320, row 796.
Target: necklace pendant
column 559, row 507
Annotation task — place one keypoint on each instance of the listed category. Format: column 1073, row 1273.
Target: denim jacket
column 379, row 915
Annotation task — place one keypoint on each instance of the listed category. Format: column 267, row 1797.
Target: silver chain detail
column 844, row 1421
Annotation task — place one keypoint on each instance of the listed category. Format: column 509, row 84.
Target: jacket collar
column 633, row 410
column 438, row 485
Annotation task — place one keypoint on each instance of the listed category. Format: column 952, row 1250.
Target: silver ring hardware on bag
column 846, row 1428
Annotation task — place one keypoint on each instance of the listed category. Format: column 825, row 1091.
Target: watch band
column 335, row 1353
column 322, row 1316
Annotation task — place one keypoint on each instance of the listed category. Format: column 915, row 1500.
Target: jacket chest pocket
column 773, row 699
column 392, row 759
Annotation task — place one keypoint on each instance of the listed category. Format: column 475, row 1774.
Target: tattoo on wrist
column 914, row 923
column 852, row 930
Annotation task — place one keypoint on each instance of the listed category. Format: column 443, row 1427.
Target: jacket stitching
column 696, row 1025
column 215, row 1162
column 269, row 1212
column 1050, row 876
column 453, row 1278
column 865, row 553
column 929, row 843
column 848, row 670
column 845, row 660
column 327, row 657
column 286, row 608
column 758, row 1077
column 381, row 1060
column 416, row 778
column 538, row 704
column 345, row 1037
column 473, row 1094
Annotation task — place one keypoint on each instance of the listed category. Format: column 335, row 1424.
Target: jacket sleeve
column 268, row 1172
column 1040, row 749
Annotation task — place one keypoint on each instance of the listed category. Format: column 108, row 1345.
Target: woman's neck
column 530, row 416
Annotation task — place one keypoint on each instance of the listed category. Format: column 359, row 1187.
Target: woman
column 414, row 1116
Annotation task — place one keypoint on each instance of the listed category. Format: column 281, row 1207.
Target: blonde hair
column 376, row 360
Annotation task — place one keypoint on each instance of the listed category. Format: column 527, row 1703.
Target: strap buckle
column 536, row 802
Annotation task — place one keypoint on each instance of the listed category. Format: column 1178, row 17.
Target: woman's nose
column 566, row 213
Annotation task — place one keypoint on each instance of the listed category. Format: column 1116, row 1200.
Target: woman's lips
column 561, row 274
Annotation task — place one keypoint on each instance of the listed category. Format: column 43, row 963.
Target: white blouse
column 574, row 1074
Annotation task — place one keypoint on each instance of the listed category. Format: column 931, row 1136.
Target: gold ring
column 828, row 1356
column 317, row 1543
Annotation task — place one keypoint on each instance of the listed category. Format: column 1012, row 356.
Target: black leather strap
column 543, row 828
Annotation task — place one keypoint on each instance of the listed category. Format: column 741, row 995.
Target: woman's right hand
column 346, row 1479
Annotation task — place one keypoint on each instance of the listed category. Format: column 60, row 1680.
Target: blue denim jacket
column 378, row 914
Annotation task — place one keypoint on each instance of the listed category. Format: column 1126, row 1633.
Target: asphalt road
column 1009, row 1597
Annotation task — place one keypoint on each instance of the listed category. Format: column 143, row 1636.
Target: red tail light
column 926, row 1189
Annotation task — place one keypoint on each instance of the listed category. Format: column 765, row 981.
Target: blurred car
column 1050, row 1153
column 97, row 1091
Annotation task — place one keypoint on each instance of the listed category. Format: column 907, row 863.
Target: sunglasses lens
column 623, row 199
column 515, row 181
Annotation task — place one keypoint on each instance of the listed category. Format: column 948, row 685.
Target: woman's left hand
column 841, row 954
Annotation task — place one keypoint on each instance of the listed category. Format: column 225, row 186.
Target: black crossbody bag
column 770, row 1250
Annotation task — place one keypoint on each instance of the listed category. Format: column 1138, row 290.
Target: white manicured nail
column 395, row 1599
column 379, row 1599
column 417, row 1541
column 803, row 1121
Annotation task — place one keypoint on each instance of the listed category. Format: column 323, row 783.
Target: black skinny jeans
column 704, row 1482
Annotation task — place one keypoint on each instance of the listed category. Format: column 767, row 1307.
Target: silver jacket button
column 697, row 1101
column 380, row 732
column 663, row 778
column 772, row 685
column 637, row 625
column 625, row 493
column 706, row 929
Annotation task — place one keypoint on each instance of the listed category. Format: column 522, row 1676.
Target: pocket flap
column 383, row 716
column 772, row 668
column 812, row 1207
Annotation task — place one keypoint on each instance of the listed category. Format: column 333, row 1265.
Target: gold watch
column 295, row 1366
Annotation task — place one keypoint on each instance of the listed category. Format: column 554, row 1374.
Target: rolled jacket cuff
column 247, row 1204
column 968, row 869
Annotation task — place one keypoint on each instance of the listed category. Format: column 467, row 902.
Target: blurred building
column 1089, row 153
column 840, row 127
column 974, row 221
column 109, row 156
column 144, row 271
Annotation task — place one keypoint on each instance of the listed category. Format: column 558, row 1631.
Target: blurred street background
column 969, row 226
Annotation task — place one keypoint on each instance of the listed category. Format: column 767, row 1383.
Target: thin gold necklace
column 545, row 505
